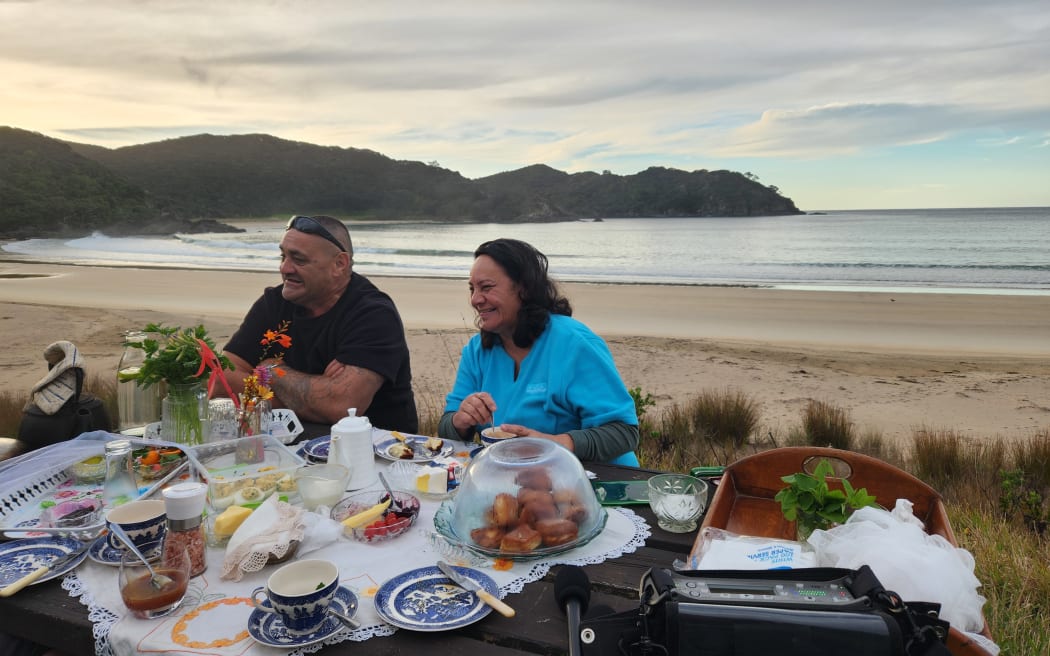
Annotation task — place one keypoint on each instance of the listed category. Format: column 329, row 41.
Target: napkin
column 270, row 531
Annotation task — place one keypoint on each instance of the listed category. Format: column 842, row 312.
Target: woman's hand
column 475, row 410
column 563, row 439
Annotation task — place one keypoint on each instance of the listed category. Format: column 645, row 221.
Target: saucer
column 101, row 552
column 317, row 448
column 267, row 628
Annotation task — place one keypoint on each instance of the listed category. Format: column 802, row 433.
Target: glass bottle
column 184, row 507
column 136, row 406
column 119, row 486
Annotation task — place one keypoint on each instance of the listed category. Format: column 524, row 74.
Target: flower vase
column 184, row 414
column 253, row 418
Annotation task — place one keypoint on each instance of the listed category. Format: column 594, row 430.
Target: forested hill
column 48, row 186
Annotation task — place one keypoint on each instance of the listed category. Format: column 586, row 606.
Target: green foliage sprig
column 174, row 357
column 809, row 501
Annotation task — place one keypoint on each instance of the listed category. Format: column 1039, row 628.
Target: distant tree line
column 49, row 186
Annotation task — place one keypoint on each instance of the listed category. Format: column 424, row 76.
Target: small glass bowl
column 89, row 471
column 362, row 501
column 72, row 514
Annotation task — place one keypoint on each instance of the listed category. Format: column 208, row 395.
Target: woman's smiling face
column 494, row 296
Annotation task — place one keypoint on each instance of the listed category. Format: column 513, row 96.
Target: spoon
column 345, row 619
column 394, row 505
column 158, row 581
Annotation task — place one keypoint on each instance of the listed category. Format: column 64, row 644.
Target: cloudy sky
column 841, row 104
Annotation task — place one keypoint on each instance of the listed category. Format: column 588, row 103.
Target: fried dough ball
column 556, row 532
column 573, row 511
column 522, row 539
column 566, row 495
column 505, row 510
column 535, row 478
column 488, row 537
column 528, row 495
column 534, row 511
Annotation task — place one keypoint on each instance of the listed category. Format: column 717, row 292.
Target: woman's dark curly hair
column 540, row 298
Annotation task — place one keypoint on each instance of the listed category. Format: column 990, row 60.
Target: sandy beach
column 975, row 363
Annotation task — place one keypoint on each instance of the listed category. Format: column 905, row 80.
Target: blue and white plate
column 267, row 628
column 424, row 599
column 316, row 449
column 21, row 557
column 102, row 553
column 418, row 443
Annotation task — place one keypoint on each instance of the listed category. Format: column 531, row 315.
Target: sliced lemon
column 131, row 373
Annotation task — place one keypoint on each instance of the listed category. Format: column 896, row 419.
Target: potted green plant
column 811, row 503
column 176, row 357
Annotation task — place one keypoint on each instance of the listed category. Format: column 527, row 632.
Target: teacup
column 299, row 594
column 493, row 434
column 143, row 521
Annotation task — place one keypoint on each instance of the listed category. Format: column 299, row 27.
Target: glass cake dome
column 522, row 498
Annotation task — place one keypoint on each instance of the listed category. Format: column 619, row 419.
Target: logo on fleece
column 536, row 388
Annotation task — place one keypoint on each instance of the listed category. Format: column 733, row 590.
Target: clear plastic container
column 522, row 498
column 246, row 470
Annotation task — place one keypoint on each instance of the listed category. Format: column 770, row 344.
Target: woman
column 535, row 368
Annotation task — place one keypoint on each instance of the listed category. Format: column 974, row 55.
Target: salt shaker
column 184, row 505
column 119, row 486
column 352, row 438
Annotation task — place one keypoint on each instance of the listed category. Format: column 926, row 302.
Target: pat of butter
column 432, row 480
column 228, row 522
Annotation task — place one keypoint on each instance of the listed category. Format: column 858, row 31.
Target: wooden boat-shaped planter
column 743, row 502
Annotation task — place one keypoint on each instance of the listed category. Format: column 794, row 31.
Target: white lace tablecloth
column 213, row 619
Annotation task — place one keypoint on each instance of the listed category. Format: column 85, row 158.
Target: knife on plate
column 32, row 577
column 483, row 594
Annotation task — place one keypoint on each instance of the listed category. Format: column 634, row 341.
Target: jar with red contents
column 184, row 506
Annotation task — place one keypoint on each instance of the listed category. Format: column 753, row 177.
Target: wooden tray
column 743, row 502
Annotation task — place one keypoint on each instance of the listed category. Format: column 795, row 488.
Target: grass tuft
column 827, row 425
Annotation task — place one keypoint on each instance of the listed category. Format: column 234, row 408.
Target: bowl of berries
column 375, row 516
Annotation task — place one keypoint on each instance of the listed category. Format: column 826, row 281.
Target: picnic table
column 47, row 615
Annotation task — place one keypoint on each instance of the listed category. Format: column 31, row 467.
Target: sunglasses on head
column 312, row 226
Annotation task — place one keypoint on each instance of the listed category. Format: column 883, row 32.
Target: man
column 348, row 347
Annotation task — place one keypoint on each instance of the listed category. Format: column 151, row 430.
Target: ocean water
column 999, row 250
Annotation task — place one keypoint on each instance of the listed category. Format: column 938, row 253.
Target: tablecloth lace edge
column 102, row 620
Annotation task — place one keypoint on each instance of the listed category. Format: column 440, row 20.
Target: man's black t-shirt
column 363, row 329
